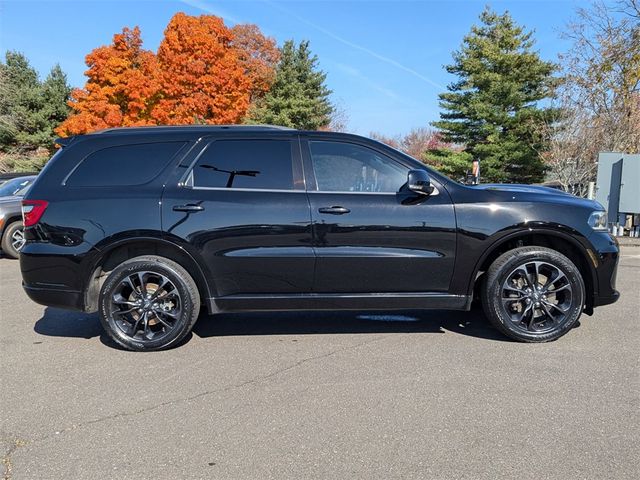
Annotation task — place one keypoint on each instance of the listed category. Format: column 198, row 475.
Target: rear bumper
column 55, row 297
column 53, row 275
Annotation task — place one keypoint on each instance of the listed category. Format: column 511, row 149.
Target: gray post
column 614, row 192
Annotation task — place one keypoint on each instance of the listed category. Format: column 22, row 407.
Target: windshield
column 15, row 186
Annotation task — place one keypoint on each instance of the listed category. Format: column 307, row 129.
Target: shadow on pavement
column 62, row 323
column 471, row 323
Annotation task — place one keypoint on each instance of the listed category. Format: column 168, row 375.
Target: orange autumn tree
column 203, row 72
column 201, row 75
column 258, row 56
column 120, row 89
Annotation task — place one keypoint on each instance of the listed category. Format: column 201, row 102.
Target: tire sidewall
column 494, row 294
column 7, row 247
column 114, row 279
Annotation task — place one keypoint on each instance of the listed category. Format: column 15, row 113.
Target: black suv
column 146, row 225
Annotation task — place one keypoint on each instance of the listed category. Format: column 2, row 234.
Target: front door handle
column 188, row 208
column 336, row 210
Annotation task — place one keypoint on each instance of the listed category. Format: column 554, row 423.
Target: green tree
column 30, row 109
column 450, row 162
column 493, row 108
column 55, row 95
column 298, row 98
column 18, row 86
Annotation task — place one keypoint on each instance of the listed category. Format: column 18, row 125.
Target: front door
column 371, row 235
column 241, row 208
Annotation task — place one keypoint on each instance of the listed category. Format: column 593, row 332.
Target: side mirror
column 418, row 181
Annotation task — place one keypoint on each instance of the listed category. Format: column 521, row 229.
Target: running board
column 338, row 301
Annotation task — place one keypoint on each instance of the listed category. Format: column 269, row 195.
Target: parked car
column 145, row 225
column 11, row 230
column 4, row 177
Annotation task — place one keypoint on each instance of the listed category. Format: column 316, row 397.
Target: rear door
column 240, row 206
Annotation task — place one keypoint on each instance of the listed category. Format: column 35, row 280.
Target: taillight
column 32, row 211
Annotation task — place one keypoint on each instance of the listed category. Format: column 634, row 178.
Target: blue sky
column 384, row 59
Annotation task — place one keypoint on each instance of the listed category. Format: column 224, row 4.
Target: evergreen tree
column 298, row 97
column 493, row 109
column 55, row 93
column 18, row 93
column 450, row 162
column 30, row 109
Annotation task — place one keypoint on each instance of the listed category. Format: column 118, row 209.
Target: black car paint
column 409, row 237
column 259, row 250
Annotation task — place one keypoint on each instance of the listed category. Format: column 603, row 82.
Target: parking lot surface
column 429, row 395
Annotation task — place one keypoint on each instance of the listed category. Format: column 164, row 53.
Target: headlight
column 598, row 220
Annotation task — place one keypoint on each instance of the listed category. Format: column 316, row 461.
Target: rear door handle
column 336, row 210
column 188, row 208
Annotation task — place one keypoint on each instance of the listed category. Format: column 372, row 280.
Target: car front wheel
column 533, row 294
column 148, row 303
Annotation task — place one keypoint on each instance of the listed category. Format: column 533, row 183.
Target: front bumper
column 600, row 300
column 607, row 255
column 3, row 224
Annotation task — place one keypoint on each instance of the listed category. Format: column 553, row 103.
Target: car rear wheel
column 13, row 239
column 149, row 303
column 533, row 294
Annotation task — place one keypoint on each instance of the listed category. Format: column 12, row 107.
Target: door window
column 259, row 164
column 347, row 167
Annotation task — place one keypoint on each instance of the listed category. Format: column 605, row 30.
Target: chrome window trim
column 434, row 193
column 341, row 192
column 234, row 189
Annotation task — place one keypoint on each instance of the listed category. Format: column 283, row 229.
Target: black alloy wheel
column 148, row 303
column 533, row 294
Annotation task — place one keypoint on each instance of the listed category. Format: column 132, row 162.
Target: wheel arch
column 556, row 240
column 123, row 250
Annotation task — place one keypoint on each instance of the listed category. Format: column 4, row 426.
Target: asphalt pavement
column 401, row 395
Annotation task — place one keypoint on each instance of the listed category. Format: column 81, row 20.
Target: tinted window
column 123, row 165
column 15, row 186
column 245, row 164
column 346, row 167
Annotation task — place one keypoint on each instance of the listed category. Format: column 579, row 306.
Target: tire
column 11, row 244
column 528, row 314
column 160, row 318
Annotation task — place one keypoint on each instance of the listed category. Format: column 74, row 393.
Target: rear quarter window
column 123, row 165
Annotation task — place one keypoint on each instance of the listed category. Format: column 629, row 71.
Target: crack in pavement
column 14, row 443
column 197, row 396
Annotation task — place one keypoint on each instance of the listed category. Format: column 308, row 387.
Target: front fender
column 499, row 239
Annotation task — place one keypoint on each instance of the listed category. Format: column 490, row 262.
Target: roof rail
column 190, row 127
